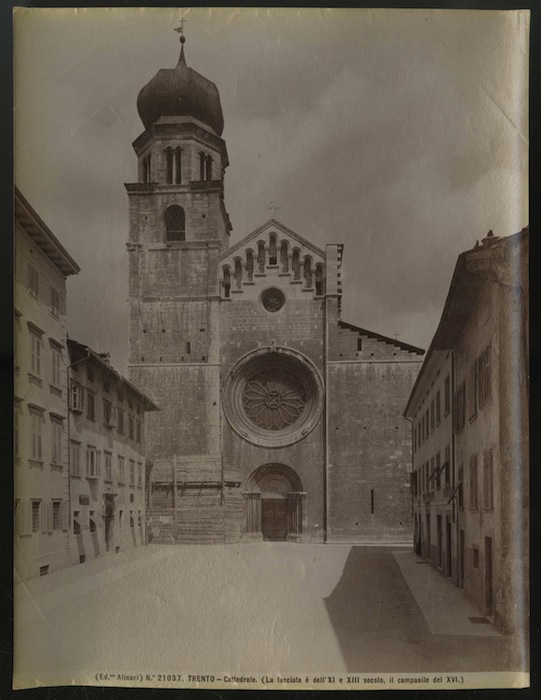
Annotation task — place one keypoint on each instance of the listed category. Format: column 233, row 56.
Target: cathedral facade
column 278, row 420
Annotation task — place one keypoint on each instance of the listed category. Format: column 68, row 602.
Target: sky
column 400, row 133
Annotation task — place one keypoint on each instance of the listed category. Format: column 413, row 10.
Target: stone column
column 295, row 501
column 252, row 516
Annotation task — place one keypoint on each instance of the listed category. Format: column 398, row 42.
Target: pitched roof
column 42, row 235
column 73, row 345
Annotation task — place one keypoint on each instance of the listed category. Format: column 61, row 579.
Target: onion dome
column 181, row 92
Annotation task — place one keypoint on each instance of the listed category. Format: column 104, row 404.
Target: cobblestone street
column 251, row 609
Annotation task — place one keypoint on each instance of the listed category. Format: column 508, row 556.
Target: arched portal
column 274, row 504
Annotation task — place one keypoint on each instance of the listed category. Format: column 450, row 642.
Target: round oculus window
column 273, row 299
column 273, row 398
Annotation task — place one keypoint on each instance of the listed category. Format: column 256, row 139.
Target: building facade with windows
column 41, row 524
column 278, row 420
column 476, row 528
column 106, row 457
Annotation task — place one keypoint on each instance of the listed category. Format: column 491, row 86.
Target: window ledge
column 34, row 379
column 55, row 390
column 56, row 466
column 36, row 463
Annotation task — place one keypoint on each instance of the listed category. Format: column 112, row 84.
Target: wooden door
column 274, row 519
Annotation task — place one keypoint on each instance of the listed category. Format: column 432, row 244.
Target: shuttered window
column 488, row 489
column 473, row 483
column 36, row 436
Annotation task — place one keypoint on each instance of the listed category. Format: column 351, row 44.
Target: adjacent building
column 278, row 420
column 469, row 414
column 106, row 457
column 41, row 524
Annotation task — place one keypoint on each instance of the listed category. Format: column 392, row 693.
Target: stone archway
column 274, row 504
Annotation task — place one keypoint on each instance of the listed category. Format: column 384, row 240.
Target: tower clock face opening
column 273, row 397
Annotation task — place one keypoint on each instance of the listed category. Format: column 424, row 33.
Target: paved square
column 248, row 609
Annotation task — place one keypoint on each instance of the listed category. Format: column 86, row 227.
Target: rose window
column 273, row 299
column 273, row 396
column 273, row 399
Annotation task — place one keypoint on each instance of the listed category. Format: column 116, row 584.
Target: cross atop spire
column 180, row 30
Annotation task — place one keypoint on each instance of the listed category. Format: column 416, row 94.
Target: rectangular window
column 75, row 459
column 488, row 488
column 461, row 487
column 131, row 427
column 432, row 475
column 92, row 463
column 438, row 470
column 107, row 385
column 132, row 472
column 432, row 416
column 33, row 281
column 56, row 441
column 57, row 515
column 56, row 369
column 90, row 406
column 472, row 392
column 138, row 431
column 36, row 516
column 108, row 466
column 120, row 519
column 426, row 424
column 438, row 407
column 473, row 483
column 484, row 374
column 55, row 301
column 36, row 422
column 447, row 465
column 132, row 523
column 475, row 557
column 108, row 414
column 35, row 356
column 447, row 396
column 140, row 475
column 120, row 420
column 77, row 398
column 121, row 474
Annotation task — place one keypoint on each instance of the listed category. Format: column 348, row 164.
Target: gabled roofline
column 36, row 229
column 148, row 403
column 383, row 338
column 276, row 224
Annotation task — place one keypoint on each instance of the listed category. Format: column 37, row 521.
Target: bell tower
column 178, row 227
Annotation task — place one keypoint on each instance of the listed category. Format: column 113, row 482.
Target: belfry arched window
column 175, row 223
column 173, row 163
column 146, row 169
column 205, row 166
